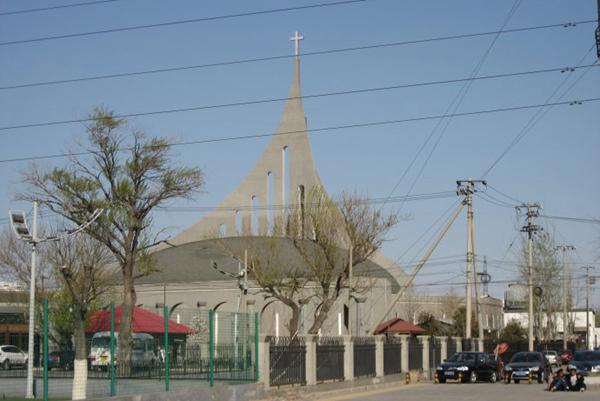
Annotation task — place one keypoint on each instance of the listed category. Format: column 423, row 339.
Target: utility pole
column 533, row 211
column 598, row 33
column 467, row 188
column 588, row 282
column 564, row 248
column 350, row 273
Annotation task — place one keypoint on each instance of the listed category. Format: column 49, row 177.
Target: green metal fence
column 182, row 348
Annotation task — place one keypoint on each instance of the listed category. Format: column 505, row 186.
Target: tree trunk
column 321, row 316
column 125, row 340
column 294, row 323
column 80, row 368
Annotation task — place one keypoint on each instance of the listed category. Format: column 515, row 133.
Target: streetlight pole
column 30, row 346
column 18, row 223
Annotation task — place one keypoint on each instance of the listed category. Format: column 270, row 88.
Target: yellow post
column 407, row 378
column 435, row 378
column 460, row 376
column 530, row 377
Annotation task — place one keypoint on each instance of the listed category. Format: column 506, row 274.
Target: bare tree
column 82, row 265
column 322, row 236
column 127, row 175
column 547, row 275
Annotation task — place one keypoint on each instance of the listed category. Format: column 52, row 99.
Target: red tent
column 398, row 326
column 144, row 321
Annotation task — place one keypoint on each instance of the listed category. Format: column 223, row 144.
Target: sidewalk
column 329, row 391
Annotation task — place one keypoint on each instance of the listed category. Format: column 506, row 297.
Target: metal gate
column 287, row 361
column 451, row 347
column 364, row 356
column 435, row 352
column 415, row 354
column 330, row 359
column 392, row 356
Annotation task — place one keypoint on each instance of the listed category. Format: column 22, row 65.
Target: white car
column 11, row 356
column 551, row 357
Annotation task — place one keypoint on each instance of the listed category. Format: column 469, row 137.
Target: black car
column 524, row 364
column 61, row 359
column 468, row 367
column 585, row 362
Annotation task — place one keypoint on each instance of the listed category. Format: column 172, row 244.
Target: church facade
column 187, row 278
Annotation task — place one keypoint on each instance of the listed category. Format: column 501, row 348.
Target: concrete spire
column 285, row 166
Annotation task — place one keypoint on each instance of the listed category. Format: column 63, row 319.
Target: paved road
column 460, row 392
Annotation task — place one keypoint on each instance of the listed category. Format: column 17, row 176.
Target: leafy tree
column 127, row 175
column 459, row 318
column 513, row 332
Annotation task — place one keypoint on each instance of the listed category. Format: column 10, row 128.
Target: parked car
column 61, row 359
column 585, row 362
column 552, row 357
column 12, row 356
column 523, row 364
column 468, row 367
column 565, row 356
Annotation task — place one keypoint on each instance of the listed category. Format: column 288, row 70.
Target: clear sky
column 556, row 164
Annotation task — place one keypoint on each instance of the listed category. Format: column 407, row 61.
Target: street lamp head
column 18, row 223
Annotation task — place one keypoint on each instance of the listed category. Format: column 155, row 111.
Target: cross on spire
column 296, row 39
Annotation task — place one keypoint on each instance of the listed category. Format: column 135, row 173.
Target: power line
column 417, row 197
column 34, row 10
column 287, row 56
column 326, row 129
column 452, row 108
column 283, row 99
column 180, row 22
column 573, row 219
column 540, row 113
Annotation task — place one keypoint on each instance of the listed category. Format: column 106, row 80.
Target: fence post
column 311, row 359
column 45, row 339
column 211, row 347
column 264, row 350
column 404, row 353
column 379, row 355
column 425, row 341
column 166, row 319
column 256, row 347
column 348, row 358
column 443, row 349
column 113, row 384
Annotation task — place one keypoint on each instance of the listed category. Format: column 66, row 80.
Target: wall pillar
column 425, row 341
column 263, row 358
column 443, row 348
column 311, row 359
column 404, row 348
column 348, row 358
column 379, row 356
column 480, row 344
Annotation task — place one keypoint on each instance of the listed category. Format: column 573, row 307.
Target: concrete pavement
column 458, row 392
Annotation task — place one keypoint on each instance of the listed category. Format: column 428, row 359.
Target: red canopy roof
column 144, row 321
column 398, row 326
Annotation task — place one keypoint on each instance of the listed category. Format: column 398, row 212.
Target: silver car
column 11, row 356
column 551, row 357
